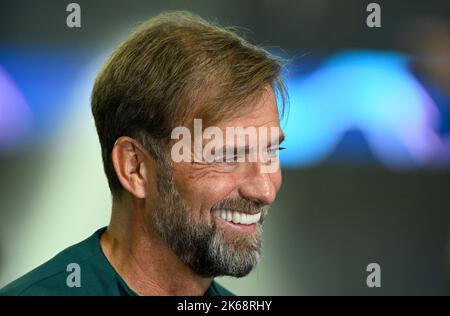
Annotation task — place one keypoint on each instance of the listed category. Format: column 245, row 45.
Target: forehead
column 264, row 112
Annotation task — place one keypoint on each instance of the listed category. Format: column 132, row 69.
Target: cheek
column 213, row 190
column 201, row 194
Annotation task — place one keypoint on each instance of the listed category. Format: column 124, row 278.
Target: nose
column 260, row 186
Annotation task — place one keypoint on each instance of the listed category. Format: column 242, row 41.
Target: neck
column 143, row 260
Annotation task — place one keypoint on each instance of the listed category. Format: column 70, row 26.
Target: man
column 176, row 223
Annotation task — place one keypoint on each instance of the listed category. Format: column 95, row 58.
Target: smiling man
column 176, row 224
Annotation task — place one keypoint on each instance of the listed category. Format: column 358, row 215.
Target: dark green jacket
column 97, row 276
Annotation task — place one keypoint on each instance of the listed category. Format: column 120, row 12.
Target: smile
column 238, row 217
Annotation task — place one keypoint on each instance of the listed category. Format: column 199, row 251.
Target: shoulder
column 50, row 278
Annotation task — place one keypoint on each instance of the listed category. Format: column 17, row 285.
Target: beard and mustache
column 208, row 250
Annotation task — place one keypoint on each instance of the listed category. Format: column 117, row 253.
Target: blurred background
column 366, row 172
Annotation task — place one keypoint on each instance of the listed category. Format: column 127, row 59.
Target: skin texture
column 137, row 252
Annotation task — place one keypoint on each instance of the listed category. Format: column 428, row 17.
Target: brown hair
column 173, row 67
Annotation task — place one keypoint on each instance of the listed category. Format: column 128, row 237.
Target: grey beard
column 201, row 245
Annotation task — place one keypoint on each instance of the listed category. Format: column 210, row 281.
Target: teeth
column 244, row 219
column 238, row 217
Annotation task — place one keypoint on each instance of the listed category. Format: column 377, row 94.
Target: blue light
column 45, row 78
column 370, row 91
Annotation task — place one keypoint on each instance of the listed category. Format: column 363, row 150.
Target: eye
column 274, row 151
column 226, row 160
column 239, row 157
column 230, row 160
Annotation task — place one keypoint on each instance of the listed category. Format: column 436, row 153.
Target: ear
column 128, row 161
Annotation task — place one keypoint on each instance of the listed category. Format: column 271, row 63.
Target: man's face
column 211, row 214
